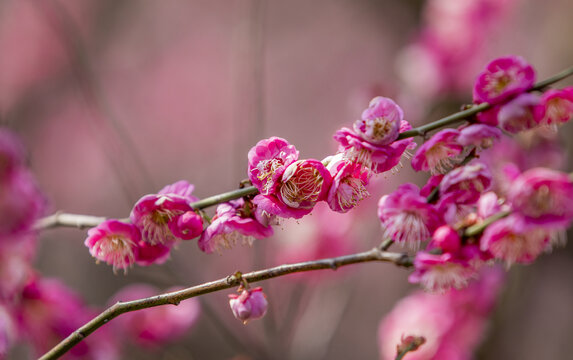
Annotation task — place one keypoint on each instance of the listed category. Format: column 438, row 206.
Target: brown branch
column 174, row 298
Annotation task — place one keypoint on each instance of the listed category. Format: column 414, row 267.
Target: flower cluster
column 451, row 324
column 466, row 193
column 157, row 223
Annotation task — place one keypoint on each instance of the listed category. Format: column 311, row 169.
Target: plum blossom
column 522, row 113
column 348, row 184
column 440, row 273
column 16, row 257
column 467, row 182
column 21, row 203
column 406, row 216
column 436, row 154
column 12, row 154
column 543, row 196
column 167, row 216
column 503, row 78
column 48, row 312
column 380, row 122
column 452, row 324
column 512, row 240
column 304, row 183
column 558, row 106
column 8, row 329
column 481, row 136
column 251, row 304
column 233, row 222
column 115, row 243
column 376, row 158
column 268, row 160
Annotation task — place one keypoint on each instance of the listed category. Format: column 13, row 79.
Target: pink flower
column 436, row 154
column 115, row 243
column 481, row 136
column 406, row 216
column 234, row 221
column 21, row 203
column 268, row 161
column 452, row 324
column 440, row 273
column 380, row 123
column 558, row 106
column 488, row 205
column 377, row 158
column 154, row 326
column 16, row 260
column 348, row 184
column 543, row 196
column 48, row 312
column 512, row 240
column 158, row 217
column 445, row 238
column 521, row 113
column 269, row 207
column 250, row 305
column 419, row 314
column 304, row 183
column 148, row 254
column 8, row 330
column 502, row 78
column 467, row 182
column 12, row 153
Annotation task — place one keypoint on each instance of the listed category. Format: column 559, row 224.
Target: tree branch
column 174, row 298
column 475, row 109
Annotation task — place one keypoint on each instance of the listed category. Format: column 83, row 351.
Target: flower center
column 303, row 189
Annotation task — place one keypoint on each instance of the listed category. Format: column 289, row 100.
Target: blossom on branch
column 436, row 155
column 503, row 78
column 251, row 304
column 235, row 221
column 115, row 243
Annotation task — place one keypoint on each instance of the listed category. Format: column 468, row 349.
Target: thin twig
column 174, row 298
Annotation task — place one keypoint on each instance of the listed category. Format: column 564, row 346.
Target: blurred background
column 115, row 99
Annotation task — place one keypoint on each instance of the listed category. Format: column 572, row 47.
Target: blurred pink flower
column 322, row 235
column 154, row 326
column 522, row 113
column 558, row 106
column 440, row 273
column 452, row 324
column 513, row 240
column 466, row 182
column 406, row 216
column 544, row 197
column 481, row 136
column 48, row 312
column 435, row 155
column 8, row 330
column 16, row 257
column 503, row 78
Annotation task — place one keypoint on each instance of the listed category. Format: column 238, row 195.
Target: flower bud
column 250, row 304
